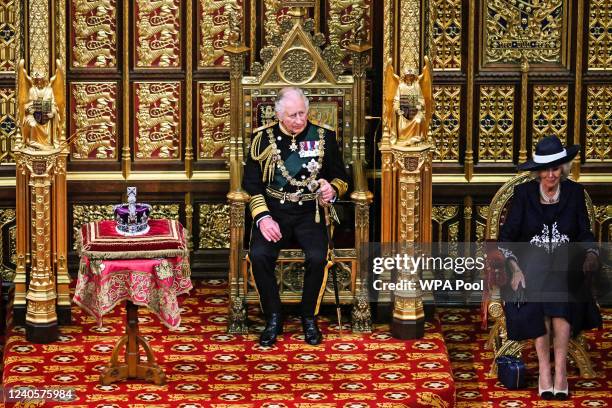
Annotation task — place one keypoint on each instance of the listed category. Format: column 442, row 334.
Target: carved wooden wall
column 149, row 96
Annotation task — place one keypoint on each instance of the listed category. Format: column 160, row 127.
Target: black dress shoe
column 274, row 327
column 312, row 334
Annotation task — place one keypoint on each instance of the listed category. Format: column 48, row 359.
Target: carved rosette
column 8, row 125
column 297, row 66
column 158, row 122
column 513, row 30
column 158, row 33
column 215, row 16
column 214, row 226
column 93, row 34
column 214, row 118
column 94, row 119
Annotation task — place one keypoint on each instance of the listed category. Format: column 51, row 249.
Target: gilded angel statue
column 41, row 107
column 408, row 104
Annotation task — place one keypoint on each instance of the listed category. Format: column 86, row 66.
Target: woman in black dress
column 553, row 264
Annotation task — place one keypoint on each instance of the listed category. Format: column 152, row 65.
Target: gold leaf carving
column 94, row 118
column 445, row 34
column 531, row 28
column 214, row 119
column 446, row 122
column 214, row 226
column 158, row 33
column 600, row 34
column 8, row 40
column 38, row 22
column 496, row 123
column 9, row 258
column 158, row 126
column 214, row 30
column 165, row 211
column 8, row 125
column 549, row 112
column 410, row 34
column 94, row 34
column 598, row 123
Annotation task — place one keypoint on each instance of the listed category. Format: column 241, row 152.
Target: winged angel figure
column 41, row 107
column 408, row 104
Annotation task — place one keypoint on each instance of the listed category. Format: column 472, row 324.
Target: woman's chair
column 492, row 303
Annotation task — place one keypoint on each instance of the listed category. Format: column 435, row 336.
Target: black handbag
column 511, row 372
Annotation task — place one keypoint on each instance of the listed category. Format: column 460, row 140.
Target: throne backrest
column 501, row 204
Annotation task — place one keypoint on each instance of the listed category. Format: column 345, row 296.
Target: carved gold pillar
column 412, row 193
column 23, row 253
column 361, row 315
column 524, row 101
column 237, row 198
column 41, row 316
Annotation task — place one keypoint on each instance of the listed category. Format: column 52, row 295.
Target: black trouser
column 297, row 226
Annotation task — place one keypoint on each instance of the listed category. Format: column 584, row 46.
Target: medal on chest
column 309, row 148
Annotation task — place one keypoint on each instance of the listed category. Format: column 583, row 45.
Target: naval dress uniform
column 279, row 175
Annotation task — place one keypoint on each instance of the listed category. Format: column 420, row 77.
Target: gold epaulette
column 322, row 125
column 259, row 129
column 340, row 185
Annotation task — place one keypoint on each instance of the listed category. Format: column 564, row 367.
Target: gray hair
column 565, row 172
column 279, row 105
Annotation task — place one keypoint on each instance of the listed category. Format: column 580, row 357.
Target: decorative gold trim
column 189, row 91
column 496, row 178
column 125, row 156
column 38, row 17
column 578, row 87
column 409, row 30
column 468, row 164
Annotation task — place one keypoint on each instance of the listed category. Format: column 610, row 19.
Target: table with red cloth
column 151, row 269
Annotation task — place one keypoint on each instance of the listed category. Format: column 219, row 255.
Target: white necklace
column 546, row 199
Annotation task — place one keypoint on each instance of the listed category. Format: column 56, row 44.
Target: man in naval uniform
column 293, row 168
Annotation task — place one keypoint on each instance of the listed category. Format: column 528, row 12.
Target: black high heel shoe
column 562, row 395
column 545, row 394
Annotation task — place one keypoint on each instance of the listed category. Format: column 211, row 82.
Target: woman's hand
column 517, row 276
column 591, row 263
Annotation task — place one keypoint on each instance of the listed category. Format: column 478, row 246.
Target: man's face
column 295, row 116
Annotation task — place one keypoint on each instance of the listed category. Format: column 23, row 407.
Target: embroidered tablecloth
column 153, row 281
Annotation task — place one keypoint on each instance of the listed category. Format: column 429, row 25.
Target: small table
column 146, row 270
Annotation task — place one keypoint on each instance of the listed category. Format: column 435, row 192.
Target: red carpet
column 206, row 367
column 471, row 363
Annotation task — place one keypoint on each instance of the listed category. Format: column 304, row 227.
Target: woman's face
column 550, row 178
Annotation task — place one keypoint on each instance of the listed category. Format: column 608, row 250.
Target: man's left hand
column 327, row 191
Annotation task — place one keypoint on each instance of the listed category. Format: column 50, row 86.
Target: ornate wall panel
column 600, row 34
column 496, row 123
column 214, row 226
column 158, row 33
column 603, row 216
column 158, row 120
column 213, row 121
column 348, row 21
column 8, row 251
column 168, row 211
column 445, row 29
column 8, row 124
column 94, row 117
column 531, row 28
column 599, row 123
column 446, row 122
column 410, row 34
column 482, row 215
column 38, row 23
column 84, row 213
column 550, row 107
column 216, row 17
column 274, row 15
column 93, row 36
column 8, row 35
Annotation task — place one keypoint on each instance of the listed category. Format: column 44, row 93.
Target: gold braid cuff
column 340, row 185
column 257, row 205
column 266, row 158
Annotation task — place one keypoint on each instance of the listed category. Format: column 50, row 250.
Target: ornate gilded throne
column 497, row 339
column 336, row 100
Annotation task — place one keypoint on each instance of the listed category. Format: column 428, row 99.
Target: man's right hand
column 270, row 229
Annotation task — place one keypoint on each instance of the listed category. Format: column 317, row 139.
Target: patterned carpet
column 206, row 367
column 471, row 363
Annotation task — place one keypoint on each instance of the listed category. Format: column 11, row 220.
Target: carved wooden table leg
column 132, row 367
